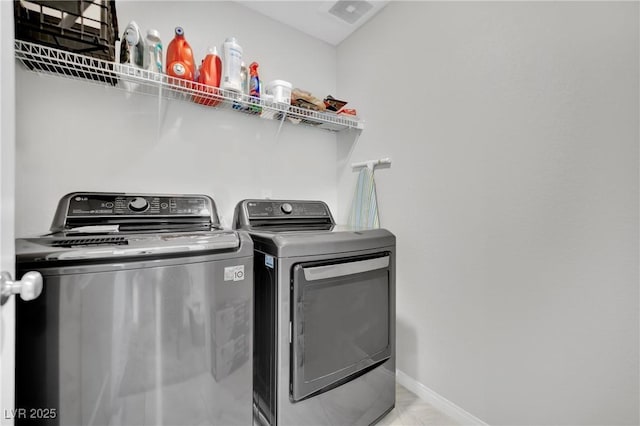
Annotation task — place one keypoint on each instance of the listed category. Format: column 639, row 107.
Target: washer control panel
column 147, row 205
column 283, row 209
column 150, row 211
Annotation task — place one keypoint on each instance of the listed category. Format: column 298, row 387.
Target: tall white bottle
column 231, row 64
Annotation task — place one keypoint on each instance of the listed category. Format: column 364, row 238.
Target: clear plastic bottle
column 244, row 78
column 154, row 51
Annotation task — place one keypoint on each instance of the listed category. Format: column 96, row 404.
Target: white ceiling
column 313, row 17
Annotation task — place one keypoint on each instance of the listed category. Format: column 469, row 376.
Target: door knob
column 29, row 287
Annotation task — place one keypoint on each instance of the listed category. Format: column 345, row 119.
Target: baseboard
column 438, row 401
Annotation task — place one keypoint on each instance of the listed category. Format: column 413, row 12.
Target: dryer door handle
column 342, row 269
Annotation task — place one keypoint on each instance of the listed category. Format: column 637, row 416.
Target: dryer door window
column 340, row 322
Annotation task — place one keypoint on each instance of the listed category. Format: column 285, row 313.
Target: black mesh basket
column 85, row 27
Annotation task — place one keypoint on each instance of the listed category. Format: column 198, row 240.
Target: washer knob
column 286, row 208
column 138, row 204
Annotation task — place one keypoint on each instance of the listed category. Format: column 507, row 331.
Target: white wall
column 73, row 135
column 513, row 129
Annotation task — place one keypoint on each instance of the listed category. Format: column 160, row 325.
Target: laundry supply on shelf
column 132, row 54
column 244, row 78
column 231, row 65
column 154, row 54
column 209, row 75
column 180, row 62
column 254, row 86
column 303, row 99
column 254, row 82
column 280, row 91
column 132, row 47
column 333, row 104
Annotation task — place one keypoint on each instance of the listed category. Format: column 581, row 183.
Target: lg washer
column 146, row 315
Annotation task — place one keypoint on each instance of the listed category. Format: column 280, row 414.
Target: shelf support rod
column 284, row 114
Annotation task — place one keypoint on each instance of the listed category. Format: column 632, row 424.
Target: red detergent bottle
column 209, row 74
column 180, row 61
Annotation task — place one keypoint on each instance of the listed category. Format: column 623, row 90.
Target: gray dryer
column 324, row 347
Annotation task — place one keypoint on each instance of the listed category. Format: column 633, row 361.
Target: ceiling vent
column 350, row 10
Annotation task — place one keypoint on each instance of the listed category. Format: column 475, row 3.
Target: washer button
column 138, row 204
column 286, row 208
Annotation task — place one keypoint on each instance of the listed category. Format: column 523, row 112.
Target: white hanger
column 371, row 164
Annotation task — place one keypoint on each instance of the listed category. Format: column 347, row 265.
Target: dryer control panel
column 271, row 213
column 268, row 208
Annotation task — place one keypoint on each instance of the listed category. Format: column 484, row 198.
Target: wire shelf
column 43, row 59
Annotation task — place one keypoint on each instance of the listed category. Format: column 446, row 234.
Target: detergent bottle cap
column 212, row 51
column 154, row 35
column 179, row 31
column 253, row 68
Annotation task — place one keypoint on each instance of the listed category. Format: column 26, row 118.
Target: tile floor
column 412, row 411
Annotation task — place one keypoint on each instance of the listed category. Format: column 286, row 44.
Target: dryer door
column 340, row 321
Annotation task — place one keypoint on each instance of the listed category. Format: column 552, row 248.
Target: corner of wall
column 441, row 403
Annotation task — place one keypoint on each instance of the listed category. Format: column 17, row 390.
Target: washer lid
column 55, row 248
column 310, row 243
